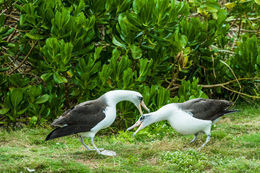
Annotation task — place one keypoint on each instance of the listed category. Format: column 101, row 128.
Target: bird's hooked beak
column 141, row 104
column 138, row 123
column 140, row 120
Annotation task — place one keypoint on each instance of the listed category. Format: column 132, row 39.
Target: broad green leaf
column 257, row 1
column 4, row 111
column 3, row 29
column 183, row 41
column 42, row 99
column 97, row 53
column 16, row 96
column 116, row 42
column 11, row 30
column 212, row 7
column 46, row 76
column 128, row 78
column 2, row 19
column 34, row 36
column 60, row 22
column 136, row 51
column 221, row 16
column 11, row 117
column 258, row 59
column 42, row 109
column 22, row 111
column 144, row 68
column 230, row 5
column 95, row 68
column 80, row 7
column 34, row 91
column 4, row 69
column 66, row 50
column 59, row 79
column 11, row 45
column 22, row 20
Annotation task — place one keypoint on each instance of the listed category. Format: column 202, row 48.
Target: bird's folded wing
column 89, row 113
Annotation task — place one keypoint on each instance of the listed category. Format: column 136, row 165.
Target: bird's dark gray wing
column 65, row 131
column 206, row 109
column 81, row 118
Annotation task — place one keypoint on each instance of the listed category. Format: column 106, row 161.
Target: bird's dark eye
column 142, row 118
column 140, row 98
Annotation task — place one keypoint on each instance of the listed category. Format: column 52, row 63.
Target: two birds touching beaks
column 189, row 118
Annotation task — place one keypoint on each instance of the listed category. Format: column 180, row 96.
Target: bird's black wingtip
column 48, row 137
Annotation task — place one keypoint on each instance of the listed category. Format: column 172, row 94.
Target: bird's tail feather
column 63, row 131
column 224, row 113
column 230, row 111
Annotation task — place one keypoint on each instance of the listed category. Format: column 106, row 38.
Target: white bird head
column 150, row 118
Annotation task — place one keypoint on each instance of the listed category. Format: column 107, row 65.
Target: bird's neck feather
column 116, row 96
column 159, row 115
column 164, row 113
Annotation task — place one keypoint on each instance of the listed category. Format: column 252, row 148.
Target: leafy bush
column 246, row 62
column 55, row 54
column 20, row 101
column 189, row 90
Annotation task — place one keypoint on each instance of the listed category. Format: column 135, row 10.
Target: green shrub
column 73, row 51
column 21, row 101
column 189, row 90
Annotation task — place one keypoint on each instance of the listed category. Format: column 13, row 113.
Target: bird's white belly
column 110, row 113
column 186, row 124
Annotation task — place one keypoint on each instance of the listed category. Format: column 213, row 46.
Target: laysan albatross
column 87, row 118
column 191, row 117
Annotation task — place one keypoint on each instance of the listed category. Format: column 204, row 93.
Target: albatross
column 191, row 117
column 87, row 118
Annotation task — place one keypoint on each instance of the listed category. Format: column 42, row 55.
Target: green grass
column 234, row 147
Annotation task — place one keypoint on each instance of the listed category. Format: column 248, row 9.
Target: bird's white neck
column 164, row 113
column 116, row 96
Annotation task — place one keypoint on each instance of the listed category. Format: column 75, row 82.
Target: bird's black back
column 206, row 109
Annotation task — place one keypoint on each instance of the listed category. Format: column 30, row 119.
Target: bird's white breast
column 110, row 116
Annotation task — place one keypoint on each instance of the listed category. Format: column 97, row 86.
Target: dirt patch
column 225, row 120
column 167, row 145
column 250, row 123
column 90, row 163
column 153, row 161
column 2, row 142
